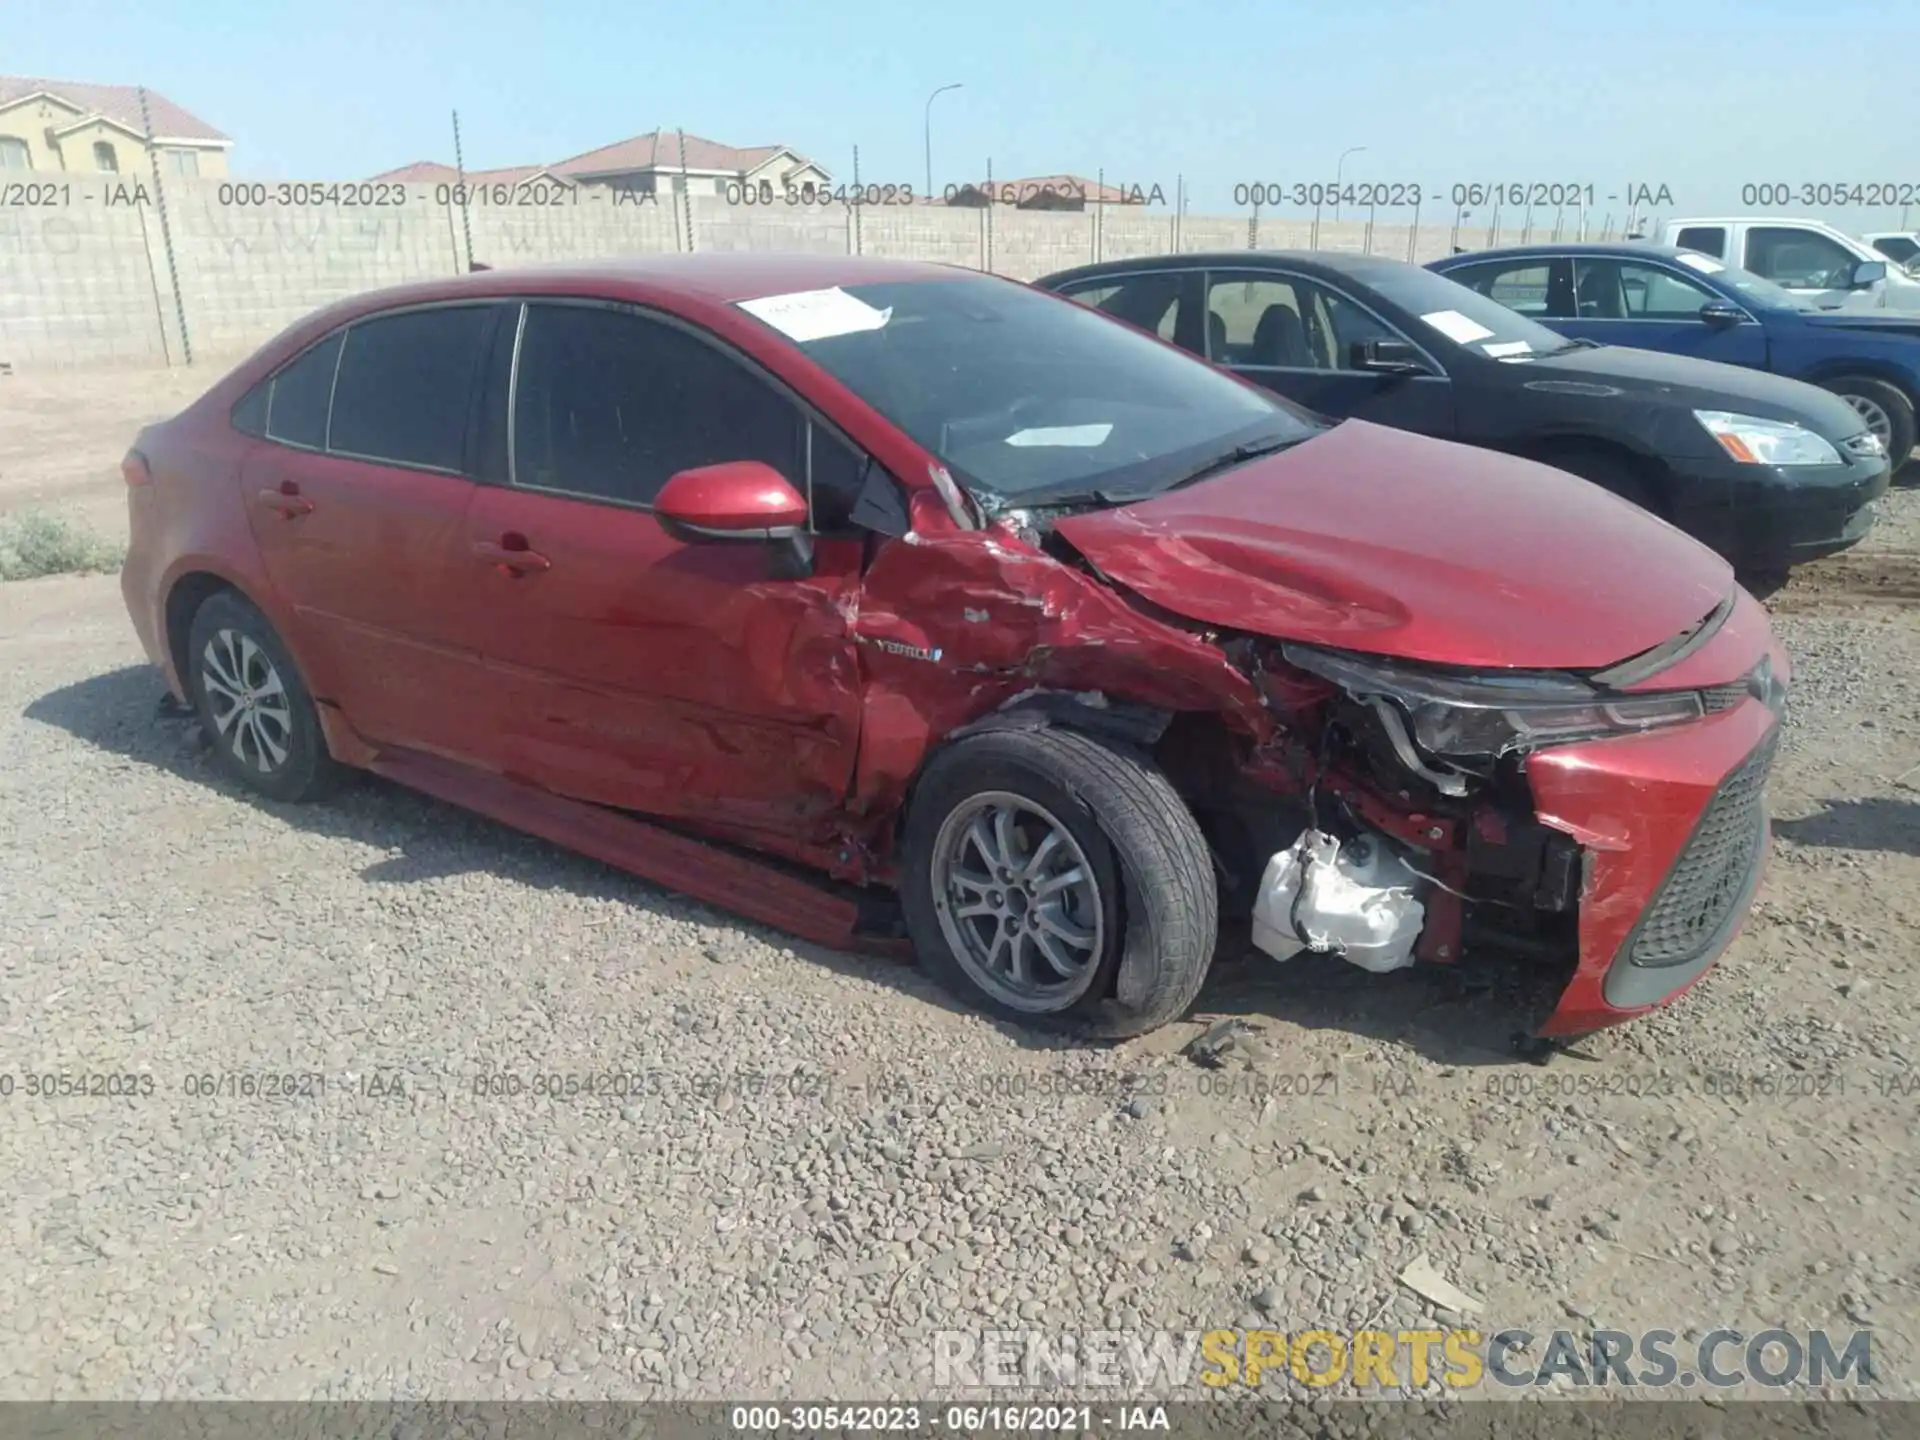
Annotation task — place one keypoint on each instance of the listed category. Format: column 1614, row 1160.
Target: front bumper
column 1673, row 825
column 1764, row 516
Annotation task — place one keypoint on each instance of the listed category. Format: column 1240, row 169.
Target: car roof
column 1746, row 220
column 1630, row 248
column 719, row 276
column 1332, row 262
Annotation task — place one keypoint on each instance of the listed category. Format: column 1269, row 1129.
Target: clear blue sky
column 1700, row 95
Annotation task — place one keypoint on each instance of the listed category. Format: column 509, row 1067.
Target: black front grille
column 1711, row 876
column 1725, row 697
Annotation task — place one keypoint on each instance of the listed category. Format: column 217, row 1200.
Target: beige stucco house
column 653, row 164
column 60, row 125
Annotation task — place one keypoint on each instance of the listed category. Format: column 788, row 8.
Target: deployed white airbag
column 1357, row 903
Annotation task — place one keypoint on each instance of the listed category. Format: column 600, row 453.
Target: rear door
column 357, row 495
column 634, row 670
column 1300, row 338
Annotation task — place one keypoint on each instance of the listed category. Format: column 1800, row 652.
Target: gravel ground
column 816, row 1161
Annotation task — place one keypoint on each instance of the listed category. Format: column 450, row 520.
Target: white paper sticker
column 816, row 314
column 1455, row 326
column 1068, row 435
column 1705, row 264
column 1507, row 349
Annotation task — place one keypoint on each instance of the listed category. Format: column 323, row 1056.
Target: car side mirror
column 738, row 500
column 1867, row 274
column 1386, row 357
column 1721, row 315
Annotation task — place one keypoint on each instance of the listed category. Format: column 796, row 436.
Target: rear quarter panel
column 189, row 523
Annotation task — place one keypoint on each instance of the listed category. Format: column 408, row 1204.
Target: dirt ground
column 1742, row 1159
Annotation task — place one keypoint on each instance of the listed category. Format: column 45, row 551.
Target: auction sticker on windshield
column 1508, row 349
column 816, row 314
column 1068, row 435
column 1455, row 326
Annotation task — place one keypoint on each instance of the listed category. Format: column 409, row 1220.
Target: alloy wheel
column 247, row 700
column 1878, row 421
column 1018, row 902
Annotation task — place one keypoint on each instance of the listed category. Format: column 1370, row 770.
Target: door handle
column 512, row 558
column 287, row 501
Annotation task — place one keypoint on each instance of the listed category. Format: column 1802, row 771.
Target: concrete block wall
column 89, row 282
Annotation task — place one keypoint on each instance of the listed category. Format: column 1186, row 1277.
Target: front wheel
column 1886, row 412
column 1059, row 882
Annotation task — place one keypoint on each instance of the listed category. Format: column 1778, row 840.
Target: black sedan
column 1768, row 471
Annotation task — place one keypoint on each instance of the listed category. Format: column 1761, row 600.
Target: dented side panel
column 953, row 624
column 676, row 680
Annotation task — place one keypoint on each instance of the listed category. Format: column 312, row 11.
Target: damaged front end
column 1609, row 837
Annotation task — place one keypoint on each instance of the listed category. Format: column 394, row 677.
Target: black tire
column 1890, row 402
column 1613, row 473
column 1155, row 875
column 228, row 630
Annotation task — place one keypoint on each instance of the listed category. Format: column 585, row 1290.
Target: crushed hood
column 1379, row 540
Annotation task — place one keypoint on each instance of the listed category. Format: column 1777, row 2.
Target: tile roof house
column 64, row 125
column 1041, row 192
column 654, row 163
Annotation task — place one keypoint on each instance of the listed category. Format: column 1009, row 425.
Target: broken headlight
column 1484, row 715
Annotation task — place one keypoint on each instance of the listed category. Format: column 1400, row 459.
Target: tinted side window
column 1524, row 289
column 298, row 398
column 1150, row 301
column 1707, row 239
column 837, row 470
column 406, row 387
column 250, row 415
column 1798, row 259
column 612, row 404
column 1257, row 320
column 1347, row 325
column 1653, row 292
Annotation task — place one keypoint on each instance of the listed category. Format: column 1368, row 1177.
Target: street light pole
column 1338, row 170
column 930, row 99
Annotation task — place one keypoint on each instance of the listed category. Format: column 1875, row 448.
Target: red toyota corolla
column 985, row 620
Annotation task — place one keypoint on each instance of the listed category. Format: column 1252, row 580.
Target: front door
column 1299, row 337
column 1814, row 266
column 357, row 496
column 634, row 670
column 1655, row 306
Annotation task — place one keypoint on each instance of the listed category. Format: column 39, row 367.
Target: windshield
column 1901, row 249
column 1025, row 396
column 1449, row 311
column 1755, row 289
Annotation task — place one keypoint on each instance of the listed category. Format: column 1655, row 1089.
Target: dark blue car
column 1686, row 303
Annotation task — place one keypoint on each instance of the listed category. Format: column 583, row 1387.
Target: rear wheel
column 1887, row 413
column 1056, row 881
column 254, row 705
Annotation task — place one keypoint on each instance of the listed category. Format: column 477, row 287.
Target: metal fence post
column 686, row 190
column 166, row 230
column 460, row 174
column 989, row 212
column 854, row 204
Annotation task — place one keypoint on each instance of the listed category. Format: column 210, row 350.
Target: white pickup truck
column 1902, row 247
column 1808, row 257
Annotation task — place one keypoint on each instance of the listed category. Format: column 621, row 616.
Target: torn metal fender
column 950, row 626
